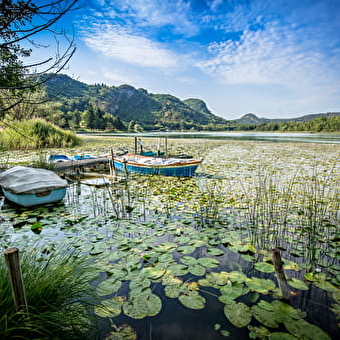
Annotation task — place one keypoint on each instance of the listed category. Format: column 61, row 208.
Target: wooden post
column 166, row 147
column 14, row 270
column 125, row 169
column 112, row 165
column 135, row 145
column 280, row 274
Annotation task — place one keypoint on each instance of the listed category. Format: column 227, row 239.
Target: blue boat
column 177, row 167
column 58, row 158
column 27, row 186
column 65, row 158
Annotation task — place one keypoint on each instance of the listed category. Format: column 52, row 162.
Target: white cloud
column 116, row 42
column 278, row 55
column 158, row 13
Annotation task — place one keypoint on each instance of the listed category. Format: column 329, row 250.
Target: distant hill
column 252, row 119
column 72, row 104
column 151, row 111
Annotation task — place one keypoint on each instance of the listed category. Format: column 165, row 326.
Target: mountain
column 252, row 119
column 150, row 111
column 72, row 104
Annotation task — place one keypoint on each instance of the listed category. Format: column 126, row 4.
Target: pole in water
column 280, row 274
column 14, row 270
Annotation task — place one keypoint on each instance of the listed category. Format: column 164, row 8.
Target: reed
column 35, row 134
column 300, row 209
column 59, row 297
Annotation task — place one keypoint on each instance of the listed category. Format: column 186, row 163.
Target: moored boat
column 65, row 158
column 178, row 167
column 27, row 186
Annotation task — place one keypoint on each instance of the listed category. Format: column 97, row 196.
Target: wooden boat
column 65, row 158
column 178, row 167
column 29, row 186
column 58, row 158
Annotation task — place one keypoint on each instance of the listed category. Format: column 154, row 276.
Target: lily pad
column 231, row 292
column 109, row 308
column 264, row 316
column 215, row 252
column 186, row 249
column 304, row 330
column 281, row 336
column 142, row 305
column 197, row 270
column 208, row 262
column 153, row 273
column 188, row 260
column 192, row 300
column 218, row 278
column 298, row 284
column 264, row 267
column 178, row 269
column 108, row 287
column 262, row 286
column 238, row 314
column 258, row 332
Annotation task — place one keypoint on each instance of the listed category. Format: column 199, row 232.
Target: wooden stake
column 112, row 165
column 280, row 274
column 18, row 289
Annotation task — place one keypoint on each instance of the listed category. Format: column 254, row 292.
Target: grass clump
column 59, row 297
column 35, row 134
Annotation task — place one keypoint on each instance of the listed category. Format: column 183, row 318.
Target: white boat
column 29, row 186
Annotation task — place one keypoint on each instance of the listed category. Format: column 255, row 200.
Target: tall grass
column 35, row 134
column 59, row 297
column 301, row 209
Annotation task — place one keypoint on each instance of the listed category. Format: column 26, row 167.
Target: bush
column 36, row 134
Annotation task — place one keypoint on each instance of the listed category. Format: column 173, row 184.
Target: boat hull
column 28, row 200
column 179, row 170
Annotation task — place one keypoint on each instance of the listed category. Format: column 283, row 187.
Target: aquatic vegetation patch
column 188, row 241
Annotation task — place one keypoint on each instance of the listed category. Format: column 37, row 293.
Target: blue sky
column 276, row 58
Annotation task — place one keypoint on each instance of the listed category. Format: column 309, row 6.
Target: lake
column 190, row 258
column 250, row 136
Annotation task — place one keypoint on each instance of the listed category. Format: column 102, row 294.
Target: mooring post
column 135, row 145
column 112, row 165
column 280, row 274
column 14, row 270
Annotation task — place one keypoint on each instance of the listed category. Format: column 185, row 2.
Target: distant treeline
column 320, row 124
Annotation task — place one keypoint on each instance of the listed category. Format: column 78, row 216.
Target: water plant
column 59, row 296
column 199, row 248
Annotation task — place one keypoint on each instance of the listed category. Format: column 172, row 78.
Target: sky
column 273, row 58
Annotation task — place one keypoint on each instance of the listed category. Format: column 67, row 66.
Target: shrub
column 36, row 134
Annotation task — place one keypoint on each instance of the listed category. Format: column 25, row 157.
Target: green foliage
column 35, row 134
column 58, row 294
column 76, row 105
column 326, row 123
column 124, row 107
column 11, row 69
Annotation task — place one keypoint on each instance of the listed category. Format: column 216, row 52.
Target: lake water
column 161, row 231
column 246, row 136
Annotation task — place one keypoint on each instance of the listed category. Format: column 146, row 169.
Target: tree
column 20, row 22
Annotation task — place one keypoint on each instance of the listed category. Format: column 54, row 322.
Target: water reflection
column 256, row 136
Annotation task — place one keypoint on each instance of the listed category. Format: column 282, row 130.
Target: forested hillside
column 103, row 107
column 73, row 105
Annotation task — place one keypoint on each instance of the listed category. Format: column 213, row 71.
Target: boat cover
column 25, row 180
